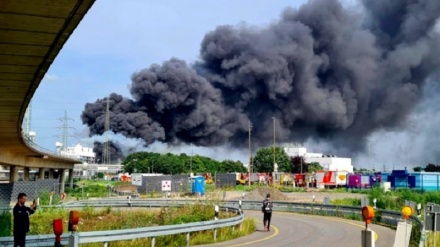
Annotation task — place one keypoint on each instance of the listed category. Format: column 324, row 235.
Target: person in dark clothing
column 267, row 210
column 21, row 219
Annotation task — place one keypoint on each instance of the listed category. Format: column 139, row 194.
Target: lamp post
column 250, row 156
column 190, row 164
column 274, row 156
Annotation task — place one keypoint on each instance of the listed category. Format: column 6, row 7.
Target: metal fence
column 129, row 234
column 387, row 217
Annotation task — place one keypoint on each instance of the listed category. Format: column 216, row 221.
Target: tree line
column 429, row 168
column 168, row 163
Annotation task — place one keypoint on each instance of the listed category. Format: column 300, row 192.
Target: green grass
column 92, row 219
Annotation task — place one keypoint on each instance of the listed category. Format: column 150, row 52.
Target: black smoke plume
column 323, row 70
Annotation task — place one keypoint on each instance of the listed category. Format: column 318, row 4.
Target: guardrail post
column 216, row 208
column 153, row 241
column 105, row 244
column 187, row 239
column 73, row 240
column 129, row 201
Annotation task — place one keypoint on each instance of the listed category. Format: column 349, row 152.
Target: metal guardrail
column 38, row 148
column 386, row 217
column 129, row 234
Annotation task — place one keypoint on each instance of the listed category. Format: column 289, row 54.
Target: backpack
column 267, row 207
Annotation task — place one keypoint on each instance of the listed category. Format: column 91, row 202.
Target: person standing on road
column 21, row 219
column 267, row 211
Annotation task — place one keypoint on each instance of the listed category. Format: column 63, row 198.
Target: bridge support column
column 26, row 173
column 62, row 178
column 41, row 174
column 71, row 178
column 13, row 173
column 51, row 171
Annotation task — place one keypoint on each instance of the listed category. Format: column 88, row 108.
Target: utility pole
column 250, row 153
column 106, row 148
column 190, row 165
column 369, row 156
column 274, row 146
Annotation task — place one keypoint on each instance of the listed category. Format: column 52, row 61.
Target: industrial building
column 328, row 162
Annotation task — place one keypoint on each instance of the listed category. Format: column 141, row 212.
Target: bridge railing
column 31, row 143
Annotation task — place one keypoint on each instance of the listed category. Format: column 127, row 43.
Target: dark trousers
column 19, row 239
column 266, row 219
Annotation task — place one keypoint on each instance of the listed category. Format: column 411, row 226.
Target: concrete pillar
column 13, row 173
column 71, row 178
column 62, row 178
column 51, row 171
column 41, row 174
column 26, row 173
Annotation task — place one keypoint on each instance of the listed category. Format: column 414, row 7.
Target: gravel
column 260, row 193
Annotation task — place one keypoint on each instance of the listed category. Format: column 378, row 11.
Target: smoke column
column 324, row 71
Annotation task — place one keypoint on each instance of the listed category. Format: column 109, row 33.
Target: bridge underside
column 32, row 33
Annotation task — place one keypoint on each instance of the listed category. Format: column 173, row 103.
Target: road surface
column 290, row 229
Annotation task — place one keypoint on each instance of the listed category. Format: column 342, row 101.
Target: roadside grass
column 108, row 218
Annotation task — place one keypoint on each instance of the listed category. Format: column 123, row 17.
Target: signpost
column 403, row 231
column 367, row 234
column 166, row 186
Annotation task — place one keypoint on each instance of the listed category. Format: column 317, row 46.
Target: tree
column 298, row 164
column 315, row 166
column 432, row 168
column 263, row 160
column 417, row 169
column 231, row 166
column 142, row 162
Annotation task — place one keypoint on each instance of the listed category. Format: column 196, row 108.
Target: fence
column 386, row 217
column 129, row 234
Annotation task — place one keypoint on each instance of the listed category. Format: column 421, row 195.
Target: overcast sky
column 117, row 38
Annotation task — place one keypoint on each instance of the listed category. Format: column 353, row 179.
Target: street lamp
column 190, row 165
column 250, row 156
column 274, row 143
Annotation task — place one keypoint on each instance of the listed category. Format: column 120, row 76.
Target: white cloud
column 50, row 77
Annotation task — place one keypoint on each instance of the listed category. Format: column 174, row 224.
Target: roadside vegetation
column 94, row 219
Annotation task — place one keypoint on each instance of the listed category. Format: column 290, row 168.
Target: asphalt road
column 290, row 229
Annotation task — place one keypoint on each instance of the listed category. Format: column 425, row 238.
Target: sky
column 119, row 38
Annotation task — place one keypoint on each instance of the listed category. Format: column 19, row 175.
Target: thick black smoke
column 322, row 71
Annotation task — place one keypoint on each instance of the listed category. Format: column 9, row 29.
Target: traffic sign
column 166, row 185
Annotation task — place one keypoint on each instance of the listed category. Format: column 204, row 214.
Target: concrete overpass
column 32, row 33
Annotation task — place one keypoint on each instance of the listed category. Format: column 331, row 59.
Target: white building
column 89, row 170
column 328, row 162
column 85, row 154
